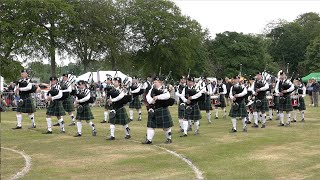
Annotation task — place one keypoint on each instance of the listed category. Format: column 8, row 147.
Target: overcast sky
column 243, row 16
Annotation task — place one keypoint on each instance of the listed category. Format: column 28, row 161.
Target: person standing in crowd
column 228, row 84
column 309, row 90
column 315, row 92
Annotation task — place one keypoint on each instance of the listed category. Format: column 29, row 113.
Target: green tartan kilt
column 241, row 112
column 222, row 101
column 27, row 107
column 161, row 119
column 86, row 114
column 121, row 117
column 68, row 104
column 55, row 109
column 286, row 106
column 135, row 103
column 206, row 104
column 275, row 102
column 194, row 113
column 302, row 105
column 263, row 108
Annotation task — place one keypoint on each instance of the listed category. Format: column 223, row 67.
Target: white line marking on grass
column 26, row 168
column 198, row 173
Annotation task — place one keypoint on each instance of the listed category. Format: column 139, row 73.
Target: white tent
column 102, row 76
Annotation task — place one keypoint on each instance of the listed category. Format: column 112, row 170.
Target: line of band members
column 250, row 102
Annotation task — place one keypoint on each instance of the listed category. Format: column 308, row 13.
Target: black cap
column 24, row 70
column 109, row 78
column 65, row 75
column 259, row 73
column 298, row 79
column 191, row 79
column 183, row 77
column 157, row 78
column 81, row 82
column 219, row 79
column 134, row 77
column 117, row 79
column 53, row 78
column 281, row 72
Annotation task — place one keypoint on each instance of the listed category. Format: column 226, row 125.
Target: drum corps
column 254, row 100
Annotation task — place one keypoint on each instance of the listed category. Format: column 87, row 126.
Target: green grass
column 271, row 153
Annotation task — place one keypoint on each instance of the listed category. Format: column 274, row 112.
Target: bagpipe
column 236, row 89
column 65, row 85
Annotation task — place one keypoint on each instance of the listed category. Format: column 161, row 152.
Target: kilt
column 86, row 114
column 275, row 102
column 55, row 109
column 241, row 112
column 135, row 103
column 180, row 113
column 161, row 119
column 195, row 113
column 206, row 104
column 121, row 117
column 222, row 101
column 286, row 106
column 302, row 105
column 27, row 107
column 68, row 104
column 263, row 108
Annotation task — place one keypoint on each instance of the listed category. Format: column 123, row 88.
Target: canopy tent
column 315, row 75
column 102, row 76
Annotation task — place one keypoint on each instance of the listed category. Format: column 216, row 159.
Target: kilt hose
column 302, row 105
column 286, row 105
column 121, row 117
column 206, row 104
column 135, row 103
column 86, row 114
column 68, row 104
column 55, row 109
column 222, row 101
column 263, row 108
column 241, row 112
column 193, row 112
column 28, row 106
column 161, row 118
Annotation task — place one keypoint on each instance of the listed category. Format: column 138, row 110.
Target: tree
column 312, row 63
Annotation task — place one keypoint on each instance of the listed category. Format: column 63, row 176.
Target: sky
column 243, row 16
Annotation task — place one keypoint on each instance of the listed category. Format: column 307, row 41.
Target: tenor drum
column 270, row 101
column 295, row 100
column 215, row 100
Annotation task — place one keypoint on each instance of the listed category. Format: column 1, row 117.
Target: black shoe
column 216, row 117
column 56, row 124
column 281, row 125
column 270, row 119
column 233, row 130
column 263, row 126
column 48, row 132
column 17, row 127
column 94, row 132
column 72, row 124
column 111, row 138
column 302, row 120
column 248, row 122
column 168, row 141
column 32, row 126
column 147, row 142
column 103, row 121
column 127, row 137
column 77, row 135
column 255, row 125
column 184, row 135
column 294, row 120
column 131, row 119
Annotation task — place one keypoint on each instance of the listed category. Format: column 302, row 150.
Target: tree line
column 138, row 37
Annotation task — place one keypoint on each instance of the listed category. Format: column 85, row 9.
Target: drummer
column 300, row 92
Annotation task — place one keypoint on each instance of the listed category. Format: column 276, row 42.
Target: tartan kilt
column 241, row 112
column 135, row 103
column 27, row 107
column 86, row 114
column 222, row 101
column 68, row 104
column 161, row 119
column 195, row 113
column 263, row 108
column 55, row 109
column 275, row 102
column 302, row 105
column 121, row 117
column 206, row 104
column 287, row 106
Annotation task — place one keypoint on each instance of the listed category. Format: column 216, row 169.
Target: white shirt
column 164, row 96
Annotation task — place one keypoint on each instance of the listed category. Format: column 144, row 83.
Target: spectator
column 315, row 92
column 3, row 104
column 309, row 90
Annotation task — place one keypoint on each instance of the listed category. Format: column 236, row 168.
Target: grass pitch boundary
column 27, row 166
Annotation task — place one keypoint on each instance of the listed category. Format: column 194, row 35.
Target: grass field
column 271, row 153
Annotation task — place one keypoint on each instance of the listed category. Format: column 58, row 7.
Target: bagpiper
column 260, row 104
column 55, row 107
column 118, row 113
column 284, row 87
column 107, row 90
column 159, row 115
column 238, row 108
column 220, row 90
column 205, row 104
column 301, row 93
column 248, row 100
column 83, row 98
column 179, row 89
column 146, row 87
column 67, row 102
column 26, row 103
column 135, row 90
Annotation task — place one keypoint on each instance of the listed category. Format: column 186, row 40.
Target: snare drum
column 215, row 100
column 295, row 100
column 270, row 101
